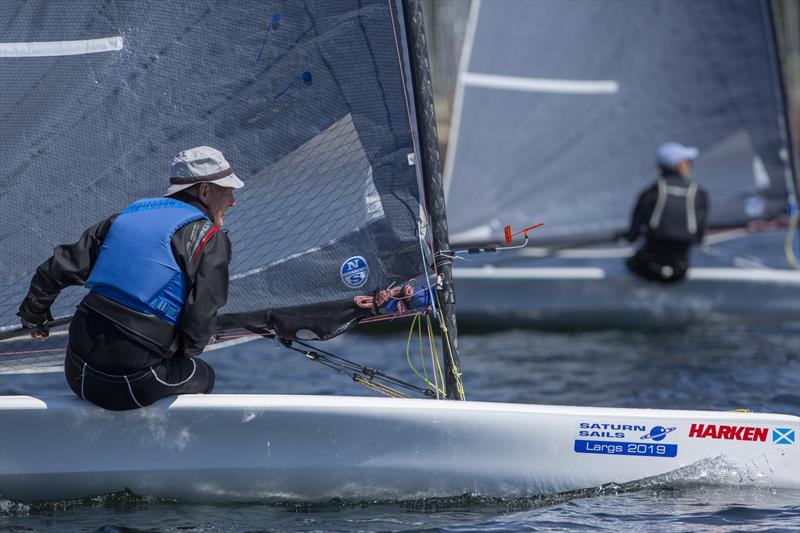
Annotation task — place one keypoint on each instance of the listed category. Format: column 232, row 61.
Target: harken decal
column 713, row 431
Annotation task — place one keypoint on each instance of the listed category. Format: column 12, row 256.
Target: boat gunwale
column 290, row 402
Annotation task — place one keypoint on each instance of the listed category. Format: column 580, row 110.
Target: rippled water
column 718, row 366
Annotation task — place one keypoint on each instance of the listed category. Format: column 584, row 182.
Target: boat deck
column 744, row 276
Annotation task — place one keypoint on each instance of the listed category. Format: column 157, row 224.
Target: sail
column 310, row 102
column 561, row 106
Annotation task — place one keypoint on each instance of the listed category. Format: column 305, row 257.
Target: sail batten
column 543, row 85
column 61, row 48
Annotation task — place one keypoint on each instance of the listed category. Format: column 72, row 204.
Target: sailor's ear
column 202, row 191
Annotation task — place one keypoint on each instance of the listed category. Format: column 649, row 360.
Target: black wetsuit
column 119, row 358
column 671, row 224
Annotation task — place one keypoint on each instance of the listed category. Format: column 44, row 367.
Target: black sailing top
column 672, row 215
column 202, row 255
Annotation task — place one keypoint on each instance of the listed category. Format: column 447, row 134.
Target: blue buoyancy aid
column 136, row 266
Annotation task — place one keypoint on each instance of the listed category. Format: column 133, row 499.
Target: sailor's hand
column 280, row 341
column 37, row 331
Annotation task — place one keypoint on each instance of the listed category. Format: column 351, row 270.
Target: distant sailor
column 671, row 214
column 157, row 274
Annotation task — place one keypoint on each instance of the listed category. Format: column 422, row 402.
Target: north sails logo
column 712, row 431
column 354, row 272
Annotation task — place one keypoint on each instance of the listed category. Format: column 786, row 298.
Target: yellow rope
column 435, row 357
column 421, row 349
column 408, row 347
column 439, row 383
column 435, row 386
column 455, row 369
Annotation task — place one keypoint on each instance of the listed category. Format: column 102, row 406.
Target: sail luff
column 792, row 178
column 793, row 181
column 434, row 192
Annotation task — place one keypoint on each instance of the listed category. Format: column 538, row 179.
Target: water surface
column 717, row 366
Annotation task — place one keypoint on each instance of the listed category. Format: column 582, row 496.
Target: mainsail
column 561, row 105
column 311, row 102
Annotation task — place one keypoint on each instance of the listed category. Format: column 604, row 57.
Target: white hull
column 597, row 297
column 312, row 448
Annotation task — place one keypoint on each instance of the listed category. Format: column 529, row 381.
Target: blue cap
column 670, row 154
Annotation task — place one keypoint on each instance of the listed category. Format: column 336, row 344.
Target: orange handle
column 510, row 236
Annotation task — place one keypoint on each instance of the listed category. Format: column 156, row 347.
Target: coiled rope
column 401, row 293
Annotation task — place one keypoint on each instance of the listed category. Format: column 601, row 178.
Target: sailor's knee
column 210, row 375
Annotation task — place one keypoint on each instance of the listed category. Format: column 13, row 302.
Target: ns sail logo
column 354, row 272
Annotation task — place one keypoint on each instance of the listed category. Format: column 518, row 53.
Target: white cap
column 670, row 154
column 202, row 164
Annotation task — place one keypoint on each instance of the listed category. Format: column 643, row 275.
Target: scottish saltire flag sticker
column 355, row 272
column 783, row 436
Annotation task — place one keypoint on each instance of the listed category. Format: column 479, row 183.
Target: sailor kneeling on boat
column 157, row 274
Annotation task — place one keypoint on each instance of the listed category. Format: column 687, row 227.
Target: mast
column 784, row 99
column 434, row 192
column 792, row 181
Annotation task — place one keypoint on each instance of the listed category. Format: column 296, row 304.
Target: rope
column 390, row 316
column 378, row 387
column 401, row 293
column 438, row 375
column 417, row 322
column 372, row 378
column 442, row 258
column 438, row 382
column 455, row 369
